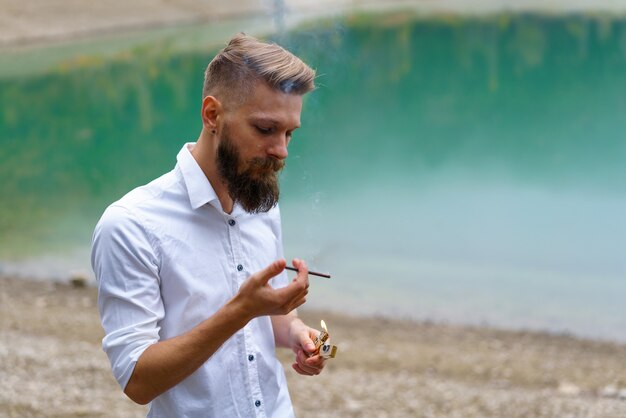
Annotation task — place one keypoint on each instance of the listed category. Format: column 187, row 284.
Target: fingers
column 313, row 333
column 303, row 270
column 292, row 297
column 306, row 340
column 270, row 271
column 288, row 298
column 258, row 297
column 309, row 366
column 297, row 368
column 294, row 294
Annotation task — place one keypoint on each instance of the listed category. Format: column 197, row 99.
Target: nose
column 278, row 149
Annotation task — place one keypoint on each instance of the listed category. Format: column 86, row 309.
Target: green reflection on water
column 539, row 98
column 542, row 98
column 72, row 142
column 493, row 142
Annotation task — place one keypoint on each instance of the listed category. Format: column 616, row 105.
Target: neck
column 205, row 153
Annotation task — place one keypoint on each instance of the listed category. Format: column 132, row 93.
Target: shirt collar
column 198, row 186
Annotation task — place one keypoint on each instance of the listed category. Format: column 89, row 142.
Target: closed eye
column 264, row 131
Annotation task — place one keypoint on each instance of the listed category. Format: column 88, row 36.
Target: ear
column 211, row 109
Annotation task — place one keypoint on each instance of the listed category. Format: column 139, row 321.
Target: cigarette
column 314, row 273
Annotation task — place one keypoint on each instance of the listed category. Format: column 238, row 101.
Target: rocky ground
column 51, row 364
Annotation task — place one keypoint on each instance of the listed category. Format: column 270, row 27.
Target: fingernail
column 310, row 347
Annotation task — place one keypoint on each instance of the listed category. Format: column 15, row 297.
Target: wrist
column 239, row 310
column 296, row 328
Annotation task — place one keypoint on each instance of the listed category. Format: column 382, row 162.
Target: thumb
column 307, row 343
column 270, row 271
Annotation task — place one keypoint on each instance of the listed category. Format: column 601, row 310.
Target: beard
column 254, row 183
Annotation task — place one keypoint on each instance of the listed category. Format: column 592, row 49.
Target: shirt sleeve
column 129, row 297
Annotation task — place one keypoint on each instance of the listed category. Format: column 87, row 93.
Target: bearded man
column 192, row 290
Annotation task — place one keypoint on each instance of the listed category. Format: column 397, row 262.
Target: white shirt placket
column 249, row 351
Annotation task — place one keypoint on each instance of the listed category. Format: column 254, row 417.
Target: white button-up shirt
column 167, row 257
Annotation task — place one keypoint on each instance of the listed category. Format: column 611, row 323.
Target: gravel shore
column 52, row 365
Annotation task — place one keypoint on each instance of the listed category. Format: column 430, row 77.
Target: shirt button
column 250, row 357
column 231, row 222
column 239, row 267
column 257, row 403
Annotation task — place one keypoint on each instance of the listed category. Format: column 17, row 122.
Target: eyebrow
column 266, row 119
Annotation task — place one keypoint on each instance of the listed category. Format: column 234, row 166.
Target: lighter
column 322, row 345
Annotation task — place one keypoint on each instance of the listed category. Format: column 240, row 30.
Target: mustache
column 266, row 165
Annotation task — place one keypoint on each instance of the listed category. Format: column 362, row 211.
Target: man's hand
column 257, row 298
column 303, row 347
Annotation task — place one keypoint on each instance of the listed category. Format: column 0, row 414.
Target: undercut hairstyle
column 234, row 71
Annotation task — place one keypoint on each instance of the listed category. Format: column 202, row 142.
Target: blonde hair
column 231, row 75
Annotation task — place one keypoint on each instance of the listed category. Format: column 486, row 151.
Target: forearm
column 166, row 363
column 282, row 325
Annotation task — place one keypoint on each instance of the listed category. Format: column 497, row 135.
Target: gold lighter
column 322, row 345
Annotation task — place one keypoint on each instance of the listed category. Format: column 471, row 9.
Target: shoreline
column 83, row 277
column 36, row 41
column 54, row 366
column 24, row 25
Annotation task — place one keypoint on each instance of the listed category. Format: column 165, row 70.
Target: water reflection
column 464, row 169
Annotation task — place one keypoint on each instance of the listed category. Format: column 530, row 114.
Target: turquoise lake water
column 469, row 170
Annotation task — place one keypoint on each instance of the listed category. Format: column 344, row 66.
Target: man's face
column 253, row 145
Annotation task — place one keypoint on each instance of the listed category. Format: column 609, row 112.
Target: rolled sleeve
column 129, row 298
